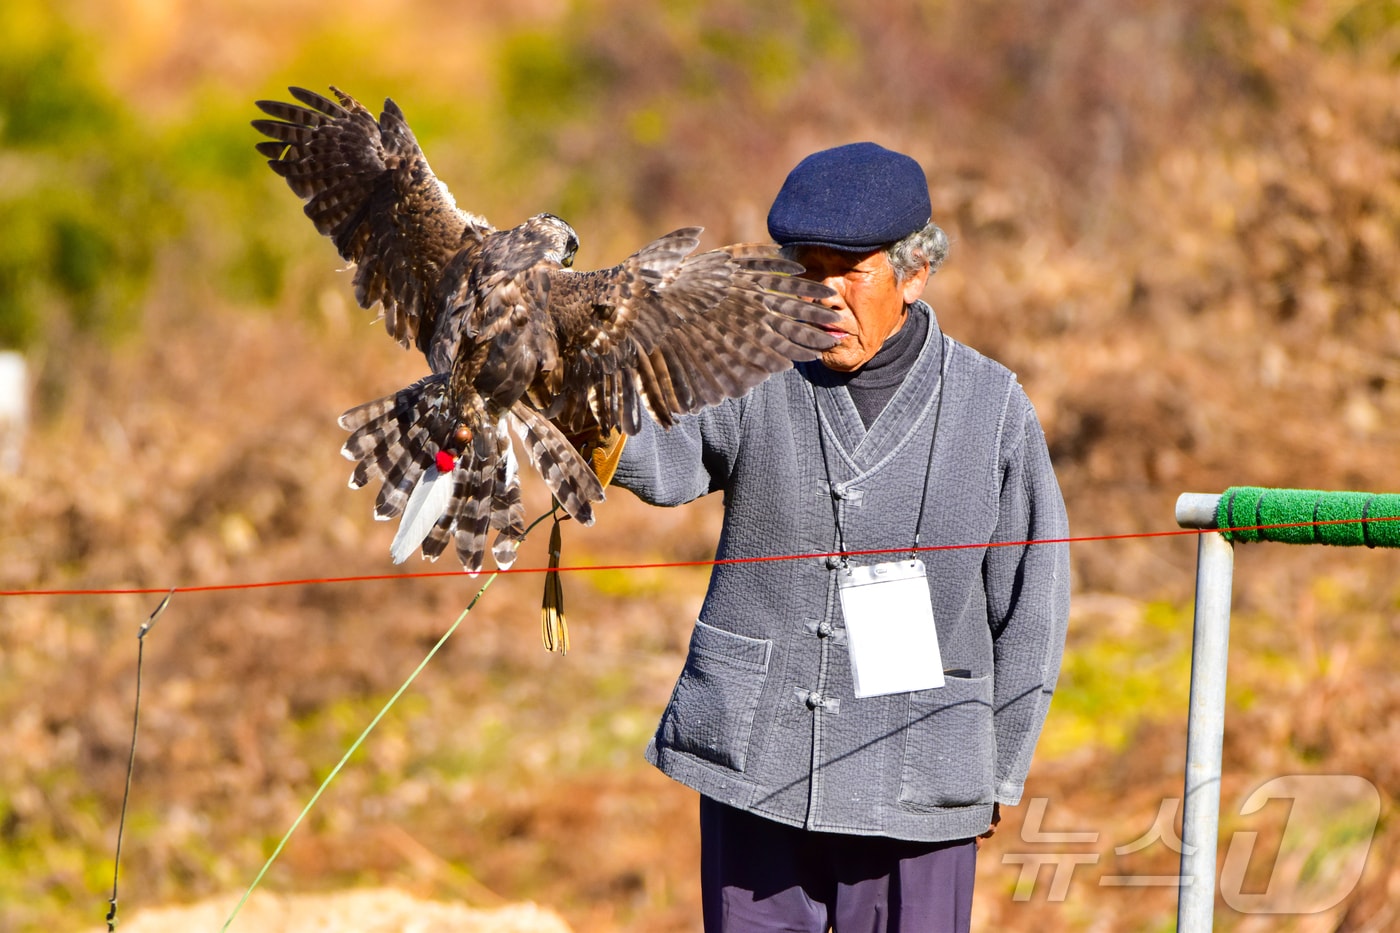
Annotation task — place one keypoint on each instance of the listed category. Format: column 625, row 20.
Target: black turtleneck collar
column 874, row 384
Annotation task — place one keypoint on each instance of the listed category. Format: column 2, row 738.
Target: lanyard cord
column 928, row 470
column 831, row 487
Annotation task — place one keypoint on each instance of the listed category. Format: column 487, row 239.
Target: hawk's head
column 550, row 238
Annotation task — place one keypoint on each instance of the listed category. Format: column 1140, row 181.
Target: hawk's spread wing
column 668, row 332
column 368, row 187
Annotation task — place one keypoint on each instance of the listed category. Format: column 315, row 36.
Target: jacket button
column 825, row 629
column 814, row 700
column 833, row 562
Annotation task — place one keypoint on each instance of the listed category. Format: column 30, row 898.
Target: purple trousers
column 758, row 875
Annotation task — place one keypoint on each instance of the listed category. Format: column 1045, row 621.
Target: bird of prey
column 516, row 340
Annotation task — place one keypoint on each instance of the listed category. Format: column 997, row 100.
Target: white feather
column 425, row 506
column 512, row 465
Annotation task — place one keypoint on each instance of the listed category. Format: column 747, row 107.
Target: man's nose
column 835, row 283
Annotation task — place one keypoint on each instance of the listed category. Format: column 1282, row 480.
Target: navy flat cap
column 857, row 197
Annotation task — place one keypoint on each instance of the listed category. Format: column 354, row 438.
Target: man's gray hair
column 908, row 255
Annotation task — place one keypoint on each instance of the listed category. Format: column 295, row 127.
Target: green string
column 355, row 745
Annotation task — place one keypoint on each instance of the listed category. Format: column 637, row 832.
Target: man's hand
column 991, row 830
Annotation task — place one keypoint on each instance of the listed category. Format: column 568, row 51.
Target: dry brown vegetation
column 1177, row 221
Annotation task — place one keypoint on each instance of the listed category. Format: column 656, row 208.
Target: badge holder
column 889, row 628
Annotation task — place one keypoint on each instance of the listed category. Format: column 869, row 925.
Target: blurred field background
column 1177, row 221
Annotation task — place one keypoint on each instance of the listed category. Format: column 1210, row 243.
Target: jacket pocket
column 712, row 709
column 950, row 745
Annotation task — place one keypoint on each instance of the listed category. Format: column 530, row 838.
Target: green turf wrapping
column 1346, row 519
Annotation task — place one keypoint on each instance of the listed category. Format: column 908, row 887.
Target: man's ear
column 913, row 286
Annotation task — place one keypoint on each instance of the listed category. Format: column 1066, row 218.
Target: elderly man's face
column 869, row 299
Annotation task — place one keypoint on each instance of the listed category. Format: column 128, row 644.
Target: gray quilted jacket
column 763, row 716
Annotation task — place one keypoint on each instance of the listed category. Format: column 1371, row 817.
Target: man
column 843, row 786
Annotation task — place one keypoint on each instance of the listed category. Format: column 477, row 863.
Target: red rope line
column 594, row 568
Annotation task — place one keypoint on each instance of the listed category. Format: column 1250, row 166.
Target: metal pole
column 1205, row 735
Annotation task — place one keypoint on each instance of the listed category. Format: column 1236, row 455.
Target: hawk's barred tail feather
column 474, row 493
column 415, row 420
column 405, row 441
column 507, row 507
column 567, row 474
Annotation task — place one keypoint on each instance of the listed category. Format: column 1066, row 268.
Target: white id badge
column 889, row 628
